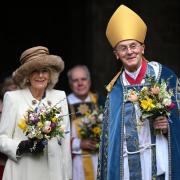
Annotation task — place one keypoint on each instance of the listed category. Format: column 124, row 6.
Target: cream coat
column 54, row 163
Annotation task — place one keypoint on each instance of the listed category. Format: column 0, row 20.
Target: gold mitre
column 125, row 24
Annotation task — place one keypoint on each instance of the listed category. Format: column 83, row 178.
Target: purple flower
column 53, row 125
column 33, row 119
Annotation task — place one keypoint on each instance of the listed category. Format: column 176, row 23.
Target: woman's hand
column 30, row 146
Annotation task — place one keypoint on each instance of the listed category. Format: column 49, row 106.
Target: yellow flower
column 83, row 109
column 81, row 133
column 54, row 119
column 147, row 104
column 40, row 124
column 132, row 97
column 96, row 130
column 145, row 88
column 22, row 124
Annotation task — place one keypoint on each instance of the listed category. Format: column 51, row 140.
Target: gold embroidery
column 93, row 98
column 111, row 84
column 83, row 109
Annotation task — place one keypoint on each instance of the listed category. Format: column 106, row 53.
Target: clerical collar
column 74, row 99
column 138, row 75
column 133, row 74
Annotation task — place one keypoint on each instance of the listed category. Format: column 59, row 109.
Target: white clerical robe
column 78, row 171
column 145, row 142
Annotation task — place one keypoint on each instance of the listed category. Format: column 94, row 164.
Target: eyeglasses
column 124, row 48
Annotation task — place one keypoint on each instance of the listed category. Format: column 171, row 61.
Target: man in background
column 82, row 101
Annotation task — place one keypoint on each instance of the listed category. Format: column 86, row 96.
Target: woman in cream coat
column 36, row 76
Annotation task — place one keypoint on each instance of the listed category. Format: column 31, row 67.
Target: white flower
column 47, row 123
column 159, row 105
column 85, row 120
column 42, row 109
column 100, row 117
column 167, row 101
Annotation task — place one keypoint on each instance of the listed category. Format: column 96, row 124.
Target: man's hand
column 161, row 123
column 88, row 144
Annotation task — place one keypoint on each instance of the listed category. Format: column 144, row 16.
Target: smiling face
column 39, row 79
column 130, row 53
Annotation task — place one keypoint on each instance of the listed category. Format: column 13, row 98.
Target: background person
column 7, row 85
column 81, row 101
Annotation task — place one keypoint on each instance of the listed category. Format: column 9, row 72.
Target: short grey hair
column 79, row 66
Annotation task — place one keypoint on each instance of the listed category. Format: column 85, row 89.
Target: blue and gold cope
column 118, row 114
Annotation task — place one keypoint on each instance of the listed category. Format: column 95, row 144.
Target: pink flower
column 47, row 129
column 155, row 90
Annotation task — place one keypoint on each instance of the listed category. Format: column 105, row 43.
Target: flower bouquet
column 91, row 125
column 43, row 122
column 154, row 100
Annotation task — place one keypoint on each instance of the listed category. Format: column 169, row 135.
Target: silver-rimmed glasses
column 125, row 48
